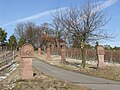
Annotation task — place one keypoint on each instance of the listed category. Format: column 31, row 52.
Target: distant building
column 52, row 41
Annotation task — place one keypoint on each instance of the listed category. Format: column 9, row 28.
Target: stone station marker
column 27, row 54
column 63, row 53
column 39, row 51
column 100, row 55
column 48, row 52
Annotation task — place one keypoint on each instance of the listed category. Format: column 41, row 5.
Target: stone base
column 27, row 72
column 49, row 58
column 39, row 51
column 64, row 62
column 101, row 65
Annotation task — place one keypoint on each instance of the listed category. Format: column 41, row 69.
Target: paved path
column 92, row 82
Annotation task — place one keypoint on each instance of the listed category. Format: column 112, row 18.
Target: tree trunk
column 83, row 57
column 11, row 48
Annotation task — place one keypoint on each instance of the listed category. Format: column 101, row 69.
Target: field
column 111, row 71
column 40, row 82
column 75, row 53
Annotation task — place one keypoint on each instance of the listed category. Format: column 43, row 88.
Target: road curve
column 94, row 83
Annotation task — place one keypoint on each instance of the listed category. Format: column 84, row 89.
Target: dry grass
column 40, row 82
column 110, row 55
column 109, row 72
column 112, row 73
column 44, row 82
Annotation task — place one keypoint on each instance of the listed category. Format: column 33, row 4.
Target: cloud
column 102, row 5
column 36, row 16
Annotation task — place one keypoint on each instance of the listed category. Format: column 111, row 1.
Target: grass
column 109, row 72
column 44, row 82
column 5, row 70
column 40, row 82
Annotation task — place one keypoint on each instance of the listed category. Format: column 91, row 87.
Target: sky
column 39, row 11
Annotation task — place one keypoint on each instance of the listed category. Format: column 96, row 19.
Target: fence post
column 111, row 56
column 13, row 56
column 5, row 58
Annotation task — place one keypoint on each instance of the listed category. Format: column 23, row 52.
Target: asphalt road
column 94, row 83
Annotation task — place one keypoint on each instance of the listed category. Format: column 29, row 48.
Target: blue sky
column 39, row 11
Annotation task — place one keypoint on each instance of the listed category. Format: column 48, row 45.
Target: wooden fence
column 7, row 59
column 75, row 53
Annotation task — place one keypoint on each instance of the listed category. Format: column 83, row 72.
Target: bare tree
column 83, row 25
column 19, row 31
column 58, row 29
column 46, row 27
column 28, row 32
column 31, row 33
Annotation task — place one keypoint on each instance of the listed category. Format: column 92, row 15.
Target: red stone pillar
column 48, row 52
column 63, row 53
column 27, row 54
column 39, row 51
column 27, row 72
column 100, row 57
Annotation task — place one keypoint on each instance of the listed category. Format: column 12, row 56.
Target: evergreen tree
column 3, row 36
column 13, row 42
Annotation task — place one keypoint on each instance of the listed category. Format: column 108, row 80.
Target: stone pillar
column 100, row 56
column 27, row 54
column 63, row 53
column 48, row 52
column 52, row 49
column 39, row 51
